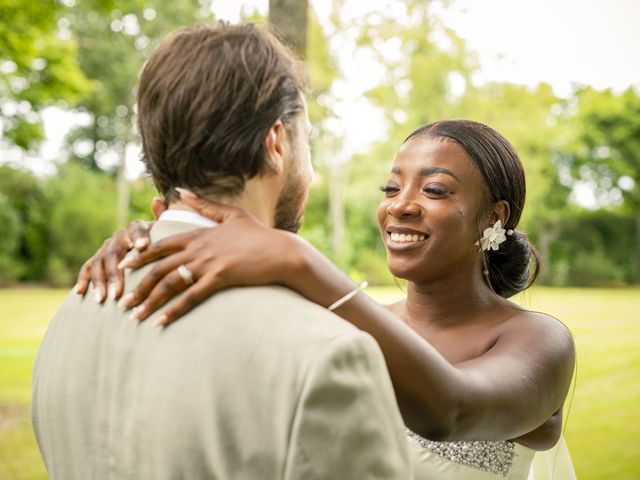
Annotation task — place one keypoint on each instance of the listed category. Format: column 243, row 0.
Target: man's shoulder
column 277, row 309
column 283, row 312
column 275, row 324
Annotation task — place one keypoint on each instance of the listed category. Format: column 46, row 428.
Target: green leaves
column 38, row 68
column 606, row 147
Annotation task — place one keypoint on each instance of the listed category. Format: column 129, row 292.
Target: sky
column 561, row 42
column 592, row 42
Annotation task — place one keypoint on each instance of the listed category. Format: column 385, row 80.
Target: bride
column 480, row 381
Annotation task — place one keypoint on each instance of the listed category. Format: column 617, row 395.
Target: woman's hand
column 240, row 251
column 101, row 269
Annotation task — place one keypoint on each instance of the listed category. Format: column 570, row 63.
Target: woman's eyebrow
column 425, row 172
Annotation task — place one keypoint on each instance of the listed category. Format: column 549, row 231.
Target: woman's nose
column 403, row 208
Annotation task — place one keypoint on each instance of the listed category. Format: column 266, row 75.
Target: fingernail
column 126, row 300
column 139, row 311
column 136, row 313
column 128, row 258
column 75, row 289
column 162, row 319
column 98, row 294
column 184, row 193
column 140, row 243
column 113, row 291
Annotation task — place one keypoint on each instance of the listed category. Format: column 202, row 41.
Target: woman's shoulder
column 536, row 321
column 540, row 328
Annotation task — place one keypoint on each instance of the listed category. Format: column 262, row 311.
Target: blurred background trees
column 83, row 57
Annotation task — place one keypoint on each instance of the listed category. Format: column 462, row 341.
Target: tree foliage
column 606, row 147
column 85, row 56
column 604, row 151
column 82, row 215
column 289, row 20
column 38, row 68
column 25, row 227
column 10, row 265
column 432, row 78
column 114, row 38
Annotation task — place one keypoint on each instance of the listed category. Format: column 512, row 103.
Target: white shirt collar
column 186, row 216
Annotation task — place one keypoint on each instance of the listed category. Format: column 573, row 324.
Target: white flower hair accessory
column 493, row 236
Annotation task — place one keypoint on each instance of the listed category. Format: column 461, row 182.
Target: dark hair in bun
column 509, row 267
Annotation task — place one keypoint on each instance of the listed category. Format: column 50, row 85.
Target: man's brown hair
column 206, row 100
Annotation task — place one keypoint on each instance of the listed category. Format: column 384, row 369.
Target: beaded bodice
column 493, row 457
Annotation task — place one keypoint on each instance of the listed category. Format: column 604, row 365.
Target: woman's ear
column 501, row 211
column 274, row 145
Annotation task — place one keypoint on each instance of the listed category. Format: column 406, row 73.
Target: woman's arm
column 545, row 436
column 511, row 390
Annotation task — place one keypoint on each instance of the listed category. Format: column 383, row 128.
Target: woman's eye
column 436, row 190
column 387, row 189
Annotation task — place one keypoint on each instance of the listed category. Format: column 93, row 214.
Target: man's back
column 254, row 383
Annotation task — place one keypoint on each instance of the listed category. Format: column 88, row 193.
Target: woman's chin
column 403, row 272
column 417, row 273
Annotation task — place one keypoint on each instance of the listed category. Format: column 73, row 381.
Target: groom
column 255, row 383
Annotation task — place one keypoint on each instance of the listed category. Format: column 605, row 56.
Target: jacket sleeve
column 347, row 424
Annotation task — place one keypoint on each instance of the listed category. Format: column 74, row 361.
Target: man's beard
column 291, row 204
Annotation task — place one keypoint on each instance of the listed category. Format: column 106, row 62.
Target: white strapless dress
column 487, row 461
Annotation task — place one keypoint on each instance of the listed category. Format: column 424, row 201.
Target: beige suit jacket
column 255, row 383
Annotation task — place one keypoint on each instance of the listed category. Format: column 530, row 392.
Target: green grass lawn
column 24, row 315
column 603, row 428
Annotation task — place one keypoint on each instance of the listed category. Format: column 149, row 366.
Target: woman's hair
column 496, row 159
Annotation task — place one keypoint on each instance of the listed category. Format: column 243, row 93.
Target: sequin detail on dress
column 494, row 457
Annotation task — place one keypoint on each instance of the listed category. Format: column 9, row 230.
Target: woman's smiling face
column 434, row 200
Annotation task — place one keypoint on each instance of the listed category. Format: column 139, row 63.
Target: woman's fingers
column 115, row 276
column 216, row 211
column 138, row 234
column 98, row 278
column 84, row 277
column 153, row 277
column 101, row 269
column 161, row 249
column 191, row 297
column 116, row 250
column 164, row 290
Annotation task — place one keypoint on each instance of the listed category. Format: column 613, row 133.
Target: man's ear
column 158, row 206
column 501, row 211
column 274, row 145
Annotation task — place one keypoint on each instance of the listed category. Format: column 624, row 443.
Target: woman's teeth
column 407, row 237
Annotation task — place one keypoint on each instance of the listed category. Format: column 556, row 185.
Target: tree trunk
column 544, row 249
column 288, row 19
column 336, row 209
column 637, row 269
column 547, row 234
column 122, row 188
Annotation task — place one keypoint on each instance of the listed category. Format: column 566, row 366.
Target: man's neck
column 258, row 198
